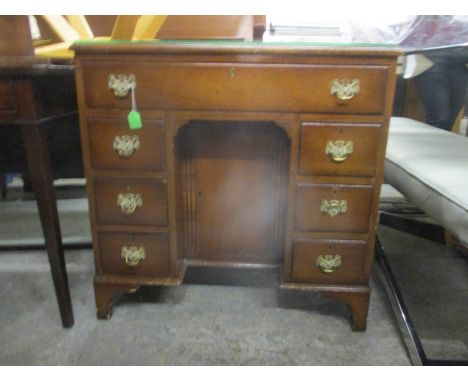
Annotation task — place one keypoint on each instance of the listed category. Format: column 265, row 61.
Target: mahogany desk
column 32, row 95
column 250, row 155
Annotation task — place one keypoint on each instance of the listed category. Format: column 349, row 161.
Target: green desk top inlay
column 233, row 42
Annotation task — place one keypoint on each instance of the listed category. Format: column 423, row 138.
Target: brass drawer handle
column 328, row 263
column 339, row 150
column 121, row 84
column 129, row 202
column 333, row 207
column 126, row 145
column 133, row 255
column 345, row 89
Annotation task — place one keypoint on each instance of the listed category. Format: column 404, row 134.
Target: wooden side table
column 32, row 95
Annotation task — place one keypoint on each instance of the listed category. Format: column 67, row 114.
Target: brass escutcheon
column 121, row 84
column 339, row 150
column 129, row 202
column 133, row 255
column 345, row 89
column 328, row 263
column 126, row 145
column 333, row 207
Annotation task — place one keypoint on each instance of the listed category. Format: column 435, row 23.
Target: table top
column 32, row 65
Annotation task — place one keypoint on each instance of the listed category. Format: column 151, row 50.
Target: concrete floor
column 434, row 282
column 187, row 325
column 245, row 321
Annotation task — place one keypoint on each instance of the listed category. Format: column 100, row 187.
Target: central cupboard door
column 234, row 187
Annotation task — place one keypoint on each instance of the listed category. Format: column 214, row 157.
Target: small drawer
column 143, row 255
column 7, row 97
column 329, row 261
column 131, row 201
column 344, row 149
column 333, row 208
column 237, row 86
column 114, row 146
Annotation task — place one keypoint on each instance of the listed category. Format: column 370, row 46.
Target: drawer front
column 226, row 86
column 339, row 149
column 114, row 146
column 130, row 201
column 7, row 96
column 333, row 208
column 144, row 255
column 329, row 261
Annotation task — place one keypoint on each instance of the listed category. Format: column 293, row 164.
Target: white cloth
column 415, row 64
column 430, row 167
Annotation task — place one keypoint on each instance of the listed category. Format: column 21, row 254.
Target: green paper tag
column 134, row 120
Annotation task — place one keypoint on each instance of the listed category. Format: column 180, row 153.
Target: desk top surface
column 231, row 47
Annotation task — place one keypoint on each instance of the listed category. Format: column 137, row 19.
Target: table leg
column 40, row 170
column 3, row 185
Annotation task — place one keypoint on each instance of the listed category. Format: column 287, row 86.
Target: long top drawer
column 240, row 86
